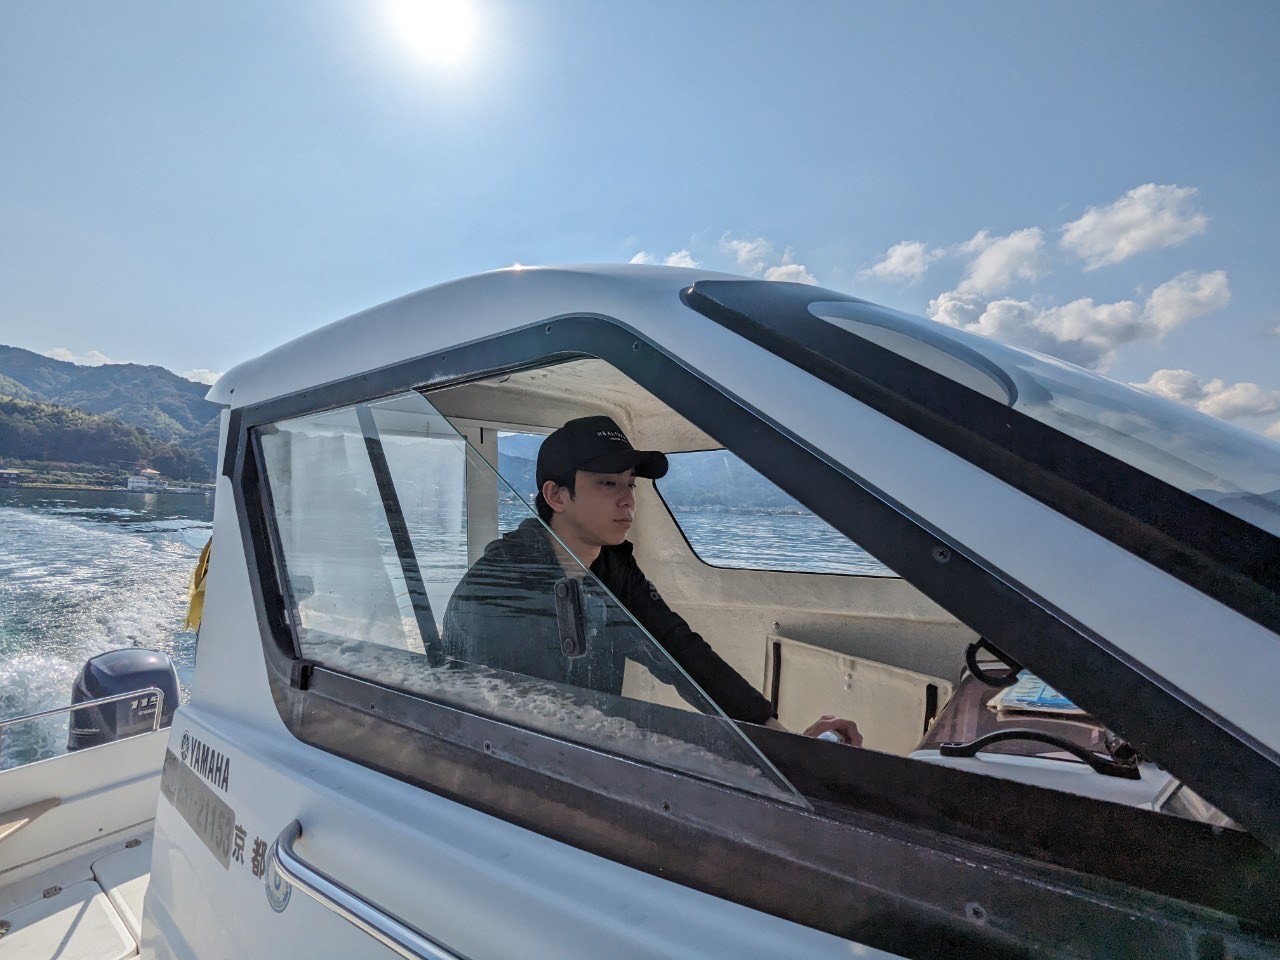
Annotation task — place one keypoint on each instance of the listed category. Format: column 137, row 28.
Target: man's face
column 601, row 510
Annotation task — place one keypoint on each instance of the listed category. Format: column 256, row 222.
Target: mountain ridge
column 168, row 408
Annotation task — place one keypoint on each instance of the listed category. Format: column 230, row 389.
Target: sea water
column 83, row 572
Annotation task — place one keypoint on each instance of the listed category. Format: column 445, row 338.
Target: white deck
column 83, row 910
column 75, row 851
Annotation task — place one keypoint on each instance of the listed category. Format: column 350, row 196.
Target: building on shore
column 146, row 481
column 150, row 481
column 10, row 478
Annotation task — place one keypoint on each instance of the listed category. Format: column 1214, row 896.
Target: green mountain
column 709, row 479
column 44, row 432
column 172, row 410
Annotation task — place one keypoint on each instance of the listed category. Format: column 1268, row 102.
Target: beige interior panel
column 889, row 704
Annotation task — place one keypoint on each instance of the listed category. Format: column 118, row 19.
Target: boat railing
column 86, row 704
column 286, row 869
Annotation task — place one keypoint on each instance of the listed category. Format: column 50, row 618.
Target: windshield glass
column 371, row 506
column 1234, row 469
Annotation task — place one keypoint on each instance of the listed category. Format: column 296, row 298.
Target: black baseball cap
column 597, row 445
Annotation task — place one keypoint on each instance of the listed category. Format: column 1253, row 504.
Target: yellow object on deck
column 195, row 590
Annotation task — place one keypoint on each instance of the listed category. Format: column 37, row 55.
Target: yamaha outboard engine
column 121, row 672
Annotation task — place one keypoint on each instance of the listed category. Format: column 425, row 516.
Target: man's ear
column 555, row 495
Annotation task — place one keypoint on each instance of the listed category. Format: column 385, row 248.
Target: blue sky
column 192, row 184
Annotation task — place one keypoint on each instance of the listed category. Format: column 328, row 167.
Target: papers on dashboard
column 1032, row 695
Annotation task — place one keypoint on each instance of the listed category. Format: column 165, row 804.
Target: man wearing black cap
column 503, row 613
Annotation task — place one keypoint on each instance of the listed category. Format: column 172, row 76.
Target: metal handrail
column 155, row 721
column 390, row 931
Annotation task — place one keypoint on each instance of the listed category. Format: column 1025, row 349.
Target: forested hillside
column 43, row 432
column 170, row 409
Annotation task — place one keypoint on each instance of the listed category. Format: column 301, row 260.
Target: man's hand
column 846, row 730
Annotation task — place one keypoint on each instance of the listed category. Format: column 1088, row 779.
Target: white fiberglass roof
column 462, row 311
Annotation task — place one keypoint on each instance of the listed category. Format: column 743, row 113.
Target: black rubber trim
column 277, row 616
column 1223, row 764
column 231, row 451
column 400, row 537
column 775, row 685
column 1216, row 552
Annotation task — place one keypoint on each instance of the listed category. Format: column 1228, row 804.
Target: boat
column 1065, row 689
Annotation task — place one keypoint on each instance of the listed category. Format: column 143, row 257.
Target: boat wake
column 76, row 581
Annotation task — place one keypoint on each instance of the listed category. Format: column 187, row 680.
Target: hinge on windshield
column 1011, row 667
column 300, row 673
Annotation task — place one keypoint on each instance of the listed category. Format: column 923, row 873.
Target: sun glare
column 436, row 31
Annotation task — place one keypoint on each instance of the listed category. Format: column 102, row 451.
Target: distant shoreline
column 89, row 486
column 58, row 486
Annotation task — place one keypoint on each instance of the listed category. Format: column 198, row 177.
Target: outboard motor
column 121, row 671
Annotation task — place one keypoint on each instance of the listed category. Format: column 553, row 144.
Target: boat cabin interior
column 862, row 645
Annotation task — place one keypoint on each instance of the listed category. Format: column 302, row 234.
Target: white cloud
column 750, row 254
column 1187, row 297
column 957, row 309
column 793, row 272
column 1227, row 401
column 1080, row 332
column 1088, row 333
column 202, row 376
column 1273, row 431
column 1000, row 261
column 1106, row 323
column 1084, row 332
column 994, row 263
column 1145, row 218
column 1181, row 385
column 681, row 258
column 967, row 311
column 1236, row 400
column 905, row 262
column 753, row 257
column 91, row 359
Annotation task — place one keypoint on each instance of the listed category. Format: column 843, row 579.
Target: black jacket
column 503, row 615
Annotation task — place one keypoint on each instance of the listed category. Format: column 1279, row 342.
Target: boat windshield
column 1231, row 468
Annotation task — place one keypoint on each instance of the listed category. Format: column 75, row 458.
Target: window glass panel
column 427, row 465
column 341, row 563
column 370, row 507
column 734, row 517
column 517, row 463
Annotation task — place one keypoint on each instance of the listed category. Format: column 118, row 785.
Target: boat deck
column 75, row 851
column 86, row 909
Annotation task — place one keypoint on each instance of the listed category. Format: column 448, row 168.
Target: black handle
column 568, row 597
column 1103, row 765
column 991, row 679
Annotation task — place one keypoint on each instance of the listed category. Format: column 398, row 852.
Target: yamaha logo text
column 210, row 763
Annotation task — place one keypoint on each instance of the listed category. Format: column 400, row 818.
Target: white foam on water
column 113, row 511
column 76, row 582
